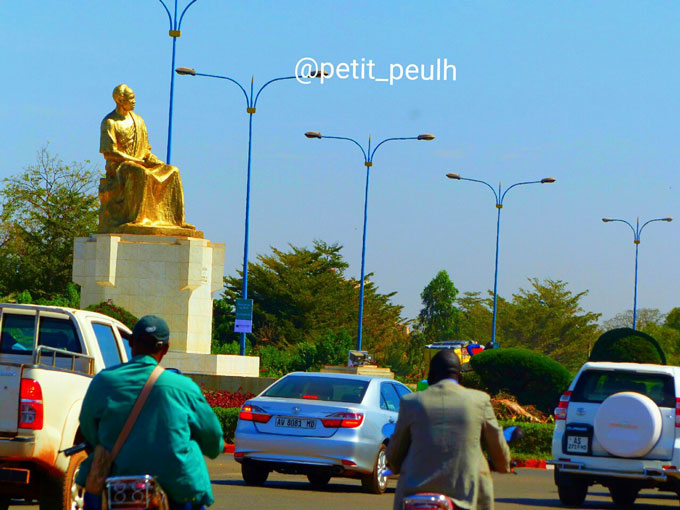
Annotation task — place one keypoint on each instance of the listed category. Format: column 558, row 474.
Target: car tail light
column 310, row 397
column 677, row 413
column 346, row 462
column 343, row 420
column 561, row 409
column 254, row 413
column 31, row 409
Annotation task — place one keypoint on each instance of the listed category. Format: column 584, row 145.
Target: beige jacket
column 436, row 445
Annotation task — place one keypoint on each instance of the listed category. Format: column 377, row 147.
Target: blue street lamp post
column 251, row 104
column 500, row 197
column 175, row 32
column 637, row 230
column 368, row 163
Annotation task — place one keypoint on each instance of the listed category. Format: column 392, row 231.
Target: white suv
column 618, row 425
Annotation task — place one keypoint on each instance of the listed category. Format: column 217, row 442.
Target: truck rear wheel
column 572, row 490
column 63, row 493
column 623, row 495
column 4, row 502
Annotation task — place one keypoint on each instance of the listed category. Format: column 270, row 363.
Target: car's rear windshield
column 331, row 389
column 594, row 386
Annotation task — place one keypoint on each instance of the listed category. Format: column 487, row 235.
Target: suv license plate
column 295, row 423
column 577, row 444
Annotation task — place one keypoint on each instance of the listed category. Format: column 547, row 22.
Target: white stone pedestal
column 173, row 277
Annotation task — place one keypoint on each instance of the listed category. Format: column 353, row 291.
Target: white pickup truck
column 48, row 356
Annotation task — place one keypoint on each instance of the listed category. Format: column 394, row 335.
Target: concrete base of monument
column 372, row 370
column 144, row 230
column 170, row 276
column 213, row 364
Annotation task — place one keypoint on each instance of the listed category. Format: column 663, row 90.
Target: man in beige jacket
column 436, row 442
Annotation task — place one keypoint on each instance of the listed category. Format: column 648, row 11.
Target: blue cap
column 153, row 326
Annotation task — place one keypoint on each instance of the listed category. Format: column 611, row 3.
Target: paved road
column 530, row 488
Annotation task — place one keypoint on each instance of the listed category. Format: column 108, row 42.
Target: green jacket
column 172, row 433
column 436, row 445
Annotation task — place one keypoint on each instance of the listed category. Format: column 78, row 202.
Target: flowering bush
column 222, row 398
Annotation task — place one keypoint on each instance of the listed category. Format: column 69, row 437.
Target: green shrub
column 536, row 443
column 627, row 345
column 228, row 417
column 531, row 377
column 472, row 380
column 117, row 312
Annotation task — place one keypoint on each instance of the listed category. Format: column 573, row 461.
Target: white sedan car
column 321, row 425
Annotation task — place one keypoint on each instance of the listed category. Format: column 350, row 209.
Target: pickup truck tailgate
column 10, row 385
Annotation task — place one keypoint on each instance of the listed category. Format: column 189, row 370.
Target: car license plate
column 577, row 444
column 295, row 423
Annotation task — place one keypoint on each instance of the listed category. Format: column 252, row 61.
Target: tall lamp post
column 637, row 230
column 500, row 197
column 368, row 163
column 251, row 108
column 175, row 32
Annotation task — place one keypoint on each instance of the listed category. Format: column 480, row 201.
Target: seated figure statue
column 140, row 194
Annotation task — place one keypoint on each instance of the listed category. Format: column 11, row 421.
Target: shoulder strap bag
column 103, row 459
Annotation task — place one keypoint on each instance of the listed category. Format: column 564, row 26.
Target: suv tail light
column 31, row 409
column 561, row 409
column 253, row 413
column 677, row 413
column 343, row 420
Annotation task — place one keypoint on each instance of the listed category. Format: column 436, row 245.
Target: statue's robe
column 133, row 194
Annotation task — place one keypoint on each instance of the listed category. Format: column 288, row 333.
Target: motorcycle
column 434, row 501
column 139, row 492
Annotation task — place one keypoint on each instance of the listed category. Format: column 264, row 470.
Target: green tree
column 476, row 316
column 673, row 319
column 549, row 319
column 438, row 319
column 302, row 294
column 644, row 318
column 43, row 209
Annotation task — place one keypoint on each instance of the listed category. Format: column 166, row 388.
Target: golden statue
column 140, row 194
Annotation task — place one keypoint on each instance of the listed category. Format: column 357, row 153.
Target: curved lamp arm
column 370, row 158
column 228, row 79
column 635, row 233
column 353, row 141
column 168, row 11
column 270, row 81
column 516, row 184
column 482, row 182
column 651, row 221
column 179, row 25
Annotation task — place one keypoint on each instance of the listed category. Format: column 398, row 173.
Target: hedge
column 627, row 345
column 536, row 443
column 533, row 378
column 228, row 417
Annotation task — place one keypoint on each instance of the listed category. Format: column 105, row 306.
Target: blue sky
column 583, row 91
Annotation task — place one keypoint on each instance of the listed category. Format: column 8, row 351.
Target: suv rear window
column 18, row 334
column 594, row 386
column 333, row 389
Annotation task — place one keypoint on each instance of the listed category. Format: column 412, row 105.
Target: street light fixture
column 500, row 197
column 368, row 163
column 175, row 32
column 251, row 108
column 637, row 230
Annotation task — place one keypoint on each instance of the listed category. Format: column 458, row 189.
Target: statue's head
column 124, row 97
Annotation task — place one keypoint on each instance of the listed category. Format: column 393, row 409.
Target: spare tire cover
column 628, row 424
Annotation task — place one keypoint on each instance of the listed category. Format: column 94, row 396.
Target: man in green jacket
column 175, row 428
column 436, row 442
